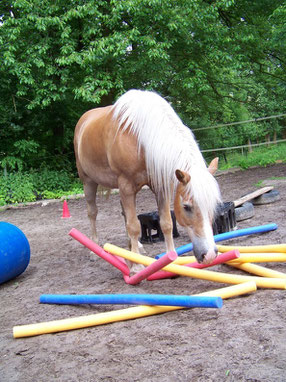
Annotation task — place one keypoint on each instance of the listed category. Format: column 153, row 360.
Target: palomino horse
column 141, row 141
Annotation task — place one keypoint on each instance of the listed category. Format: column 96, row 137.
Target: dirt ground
column 245, row 340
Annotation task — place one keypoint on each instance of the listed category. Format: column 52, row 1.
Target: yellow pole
column 120, row 315
column 232, row 291
column 259, row 258
column 262, row 282
column 182, row 260
column 243, row 258
column 259, row 270
column 254, row 249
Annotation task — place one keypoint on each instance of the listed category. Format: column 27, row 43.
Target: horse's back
column 91, row 125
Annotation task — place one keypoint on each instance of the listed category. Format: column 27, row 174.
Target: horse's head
column 196, row 216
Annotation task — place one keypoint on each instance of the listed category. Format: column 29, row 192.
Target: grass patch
column 260, row 183
column 260, row 156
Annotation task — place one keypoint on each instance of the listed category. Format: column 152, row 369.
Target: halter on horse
column 141, row 141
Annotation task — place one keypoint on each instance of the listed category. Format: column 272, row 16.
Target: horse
column 138, row 141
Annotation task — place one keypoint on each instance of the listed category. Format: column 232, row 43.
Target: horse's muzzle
column 205, row 256
column 210, row 256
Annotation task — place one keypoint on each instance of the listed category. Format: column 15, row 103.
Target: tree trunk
column 267, row 138
column 275, row 137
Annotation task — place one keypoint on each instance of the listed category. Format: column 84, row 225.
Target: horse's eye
column 188, row 208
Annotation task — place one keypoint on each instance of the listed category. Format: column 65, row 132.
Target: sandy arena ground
column 243, row 341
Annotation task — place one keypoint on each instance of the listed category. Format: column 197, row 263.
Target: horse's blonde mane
column 168, row 145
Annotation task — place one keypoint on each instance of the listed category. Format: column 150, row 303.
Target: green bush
column 30, row 186
column 16, row 189
column 51, row 180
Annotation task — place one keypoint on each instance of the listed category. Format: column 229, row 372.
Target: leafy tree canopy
column 215, row 60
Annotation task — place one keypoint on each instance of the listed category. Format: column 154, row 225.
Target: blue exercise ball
column 14, row 252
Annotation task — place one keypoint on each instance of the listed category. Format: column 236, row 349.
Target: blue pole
column 134, row 299
column 228, row 235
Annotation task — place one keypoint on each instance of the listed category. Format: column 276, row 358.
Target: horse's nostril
column 200, row 257
column 210, row 257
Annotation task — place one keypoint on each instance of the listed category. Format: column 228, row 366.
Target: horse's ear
column 213, row 166
column 183, row 177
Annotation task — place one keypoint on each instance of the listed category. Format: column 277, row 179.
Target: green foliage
column 11, row 163
column 24, row 148
column 16, row 189
column 20, row 154
column 28, row 187
column 51, row 180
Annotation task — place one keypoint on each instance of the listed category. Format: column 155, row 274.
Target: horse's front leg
column 128, row 203
column 90, row 189
column 166, row 222
column 131, row 220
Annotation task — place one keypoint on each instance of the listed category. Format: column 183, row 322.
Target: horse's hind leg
column 90, row 189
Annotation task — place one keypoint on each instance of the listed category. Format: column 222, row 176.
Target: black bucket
column 149, row 222
column 225, row 220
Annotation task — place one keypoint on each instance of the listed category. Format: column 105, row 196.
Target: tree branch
column 222, row 95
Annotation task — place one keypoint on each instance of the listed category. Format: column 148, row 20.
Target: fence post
column 249, row 145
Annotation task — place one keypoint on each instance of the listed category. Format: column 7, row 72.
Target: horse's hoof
column 136, row 268
column 93, row 256
column 141, row 248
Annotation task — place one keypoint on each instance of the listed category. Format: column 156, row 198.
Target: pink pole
column 152, row 268
column 99, row 251
column 222, row 258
